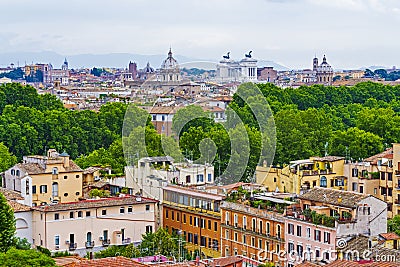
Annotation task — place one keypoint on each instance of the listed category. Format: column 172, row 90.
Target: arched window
column 322, row 181
column 17, row 173
column 55, row 170
column 12, row 172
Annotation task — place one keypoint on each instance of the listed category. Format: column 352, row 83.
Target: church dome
column 148, row 68
column 170, row 62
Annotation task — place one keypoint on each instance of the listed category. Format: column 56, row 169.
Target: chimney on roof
column 339, row 199
column 65, row 158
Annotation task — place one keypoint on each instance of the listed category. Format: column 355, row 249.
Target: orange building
column 196, row 216
column 254, row 233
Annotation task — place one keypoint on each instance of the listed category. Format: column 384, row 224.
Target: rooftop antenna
column 347, row 153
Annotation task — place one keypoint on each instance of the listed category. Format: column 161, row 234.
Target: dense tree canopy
column 25, row 258
column 356, row 121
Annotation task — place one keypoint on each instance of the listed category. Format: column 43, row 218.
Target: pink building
column 308, row 241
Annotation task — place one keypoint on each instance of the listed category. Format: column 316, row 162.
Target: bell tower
column 315, row 63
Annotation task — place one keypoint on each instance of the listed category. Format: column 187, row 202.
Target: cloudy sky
column 352, row 33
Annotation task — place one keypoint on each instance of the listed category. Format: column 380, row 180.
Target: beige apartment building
column 93, row 224
column 378, row 175
column 41, row 180
column 304, row 174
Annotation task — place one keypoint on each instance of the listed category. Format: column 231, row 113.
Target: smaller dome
column 148, row 68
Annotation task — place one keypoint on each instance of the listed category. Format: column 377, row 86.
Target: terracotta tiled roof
column 346, row 263
column 190, row 191
column 100, row 184
column 18, row 207
column 224, row 98
column 106, row 262
column 361, row 244
column 163, row 110
column 224, row 261
column 334, row 197
column 64, row 261
column 91, row 170
column 10, row 194
column 213, row 109
column 96, row 203
column 390, row 236
column 388, row 153
column 35, row 168
column 307, row 264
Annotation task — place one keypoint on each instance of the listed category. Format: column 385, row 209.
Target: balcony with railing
column 72, row 246
column 89, row 244
column 126, row 241
column 315, row 172
column 105, row 242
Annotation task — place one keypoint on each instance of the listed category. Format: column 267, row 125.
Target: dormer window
column 55, row 170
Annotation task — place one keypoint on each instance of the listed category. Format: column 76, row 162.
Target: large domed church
column 169, row 71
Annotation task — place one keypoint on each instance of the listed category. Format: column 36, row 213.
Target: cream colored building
column 45, row 179
column 92, row 225
column 300, row 175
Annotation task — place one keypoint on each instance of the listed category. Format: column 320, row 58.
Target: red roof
column 390, row 236
column 107, row 262
column 346, row 263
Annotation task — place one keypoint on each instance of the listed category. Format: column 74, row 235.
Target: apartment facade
column 254, row 233
column 305, row 240
column 94, row 224
column 354, row 213
column 301, row 175
column 196, row 217
column 45, row 179
column 378, row 175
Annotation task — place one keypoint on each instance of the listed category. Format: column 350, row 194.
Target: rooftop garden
column 243, row 196
column 322, row 219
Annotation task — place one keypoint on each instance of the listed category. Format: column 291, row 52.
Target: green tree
column 159, row 242
column 25, row 258
column 7, row 225
column 393, row 224
column 7, row 160
column 22, row 243
column 129, row 251
column 191, row 116
column 359, row 143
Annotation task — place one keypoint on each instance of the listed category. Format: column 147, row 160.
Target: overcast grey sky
column 352, row 33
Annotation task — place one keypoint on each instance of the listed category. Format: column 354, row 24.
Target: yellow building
column 378, row 175
column 45, row 179
column 325, row 172
column 389, row 240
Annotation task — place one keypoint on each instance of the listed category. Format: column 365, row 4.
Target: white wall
column 24, row 225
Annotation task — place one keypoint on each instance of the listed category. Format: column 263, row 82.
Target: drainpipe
column 45, row 230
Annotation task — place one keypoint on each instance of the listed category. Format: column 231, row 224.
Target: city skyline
column 289, row 33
